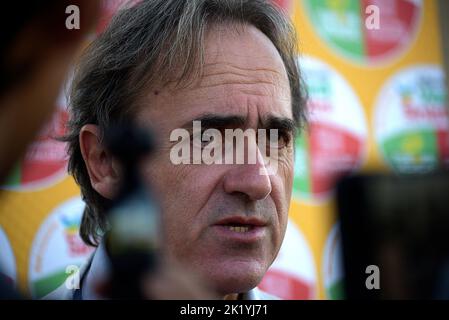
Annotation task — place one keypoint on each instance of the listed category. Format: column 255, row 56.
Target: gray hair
column 151, row 42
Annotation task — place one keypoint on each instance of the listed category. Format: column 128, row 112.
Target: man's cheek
column 286, row 173
column 282, row 185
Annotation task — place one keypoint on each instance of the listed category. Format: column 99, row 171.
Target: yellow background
column 316, row 220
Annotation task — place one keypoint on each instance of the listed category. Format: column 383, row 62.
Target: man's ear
column 103, row 171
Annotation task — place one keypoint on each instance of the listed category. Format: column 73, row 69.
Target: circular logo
column 335, row 142
column 292, row 275
column 411, row 121
column 7, row 261
column 333, row 275
column 366, row 31
column 57, row 246
column 45, row 161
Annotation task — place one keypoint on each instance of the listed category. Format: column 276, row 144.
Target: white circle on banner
column 411, row 122
column 56, row 246
column 335, row 142
column 292, row 275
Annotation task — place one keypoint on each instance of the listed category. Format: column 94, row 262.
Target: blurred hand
column 35, row 66
column 170, row 281
column 174, row 282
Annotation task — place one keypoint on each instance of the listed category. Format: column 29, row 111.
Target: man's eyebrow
column 280, row 123
column 218, row 121
column 235, row 121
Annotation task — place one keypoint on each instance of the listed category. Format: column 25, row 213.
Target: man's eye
column 282, row 141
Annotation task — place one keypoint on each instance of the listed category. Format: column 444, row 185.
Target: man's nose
column 250, row 179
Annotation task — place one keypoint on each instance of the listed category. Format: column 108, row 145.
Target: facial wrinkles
column 253, row 109
column 256, row 80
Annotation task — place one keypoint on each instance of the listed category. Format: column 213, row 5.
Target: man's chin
column 236, row 280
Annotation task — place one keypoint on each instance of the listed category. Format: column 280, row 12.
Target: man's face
column 244, row 85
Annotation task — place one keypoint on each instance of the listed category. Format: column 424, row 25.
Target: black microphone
column 132, row 241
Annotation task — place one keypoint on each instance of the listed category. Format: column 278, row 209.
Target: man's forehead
column 221, row 96
column 242, row 71
column 180, row 110
column 242, row 46
column 243, row 75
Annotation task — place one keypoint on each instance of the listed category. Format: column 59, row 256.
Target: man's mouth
column 242, row 222
column 241, row 228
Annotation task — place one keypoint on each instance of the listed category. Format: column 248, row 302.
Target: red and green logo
column 56, row 247
column 366, row 31
column 335, row 140
column 412, row 121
